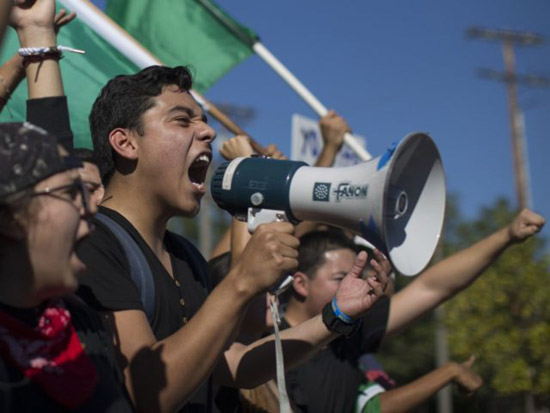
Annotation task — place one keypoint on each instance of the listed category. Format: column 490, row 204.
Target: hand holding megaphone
column 270, row 254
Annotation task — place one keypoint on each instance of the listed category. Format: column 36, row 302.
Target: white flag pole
column 305, row 94
column 254, row 43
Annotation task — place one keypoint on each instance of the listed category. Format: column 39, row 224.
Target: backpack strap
column 139, row 267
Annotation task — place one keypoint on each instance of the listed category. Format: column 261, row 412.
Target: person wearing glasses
column 54, row 352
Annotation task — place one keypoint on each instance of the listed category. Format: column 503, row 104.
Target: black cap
column 28, row 155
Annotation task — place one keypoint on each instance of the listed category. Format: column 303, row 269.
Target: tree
column 504, row 318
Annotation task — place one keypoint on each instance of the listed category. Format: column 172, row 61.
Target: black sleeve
column 52, row 114
column 373, row 329
column 107, row 283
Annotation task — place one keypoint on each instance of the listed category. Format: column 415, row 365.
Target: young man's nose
column 207, row 133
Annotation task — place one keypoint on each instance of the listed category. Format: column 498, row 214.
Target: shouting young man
column 153, row 146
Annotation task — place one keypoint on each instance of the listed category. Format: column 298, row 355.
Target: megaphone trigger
column 257, row 216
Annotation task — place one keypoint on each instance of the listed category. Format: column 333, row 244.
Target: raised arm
column 231, row 149
column 34, row 24
column 236, row 236
column 13, row 72
column 5, row 9
column 333, row 129
column 37, row 24
column 446, row 278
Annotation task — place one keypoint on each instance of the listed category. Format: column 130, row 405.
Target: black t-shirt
column 330, row 380
column 107, row 284
column 19, row 394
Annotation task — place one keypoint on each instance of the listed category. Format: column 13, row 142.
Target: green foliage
column 504, row 317
column 411, row 354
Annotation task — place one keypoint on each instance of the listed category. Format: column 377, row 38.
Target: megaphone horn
column 395, row 201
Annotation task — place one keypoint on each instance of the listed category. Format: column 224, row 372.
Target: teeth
column 203, row 158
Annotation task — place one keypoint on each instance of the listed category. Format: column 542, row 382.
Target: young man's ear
column 301, row 284
column 123, row 142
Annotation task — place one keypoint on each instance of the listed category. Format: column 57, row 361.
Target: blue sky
column 392, row 67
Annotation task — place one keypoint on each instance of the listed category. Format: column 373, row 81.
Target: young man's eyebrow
column 188, row 111
column 179, row 108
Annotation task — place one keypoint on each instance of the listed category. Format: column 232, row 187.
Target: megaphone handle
column 258, row 216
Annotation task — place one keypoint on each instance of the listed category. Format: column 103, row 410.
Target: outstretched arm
column 446, row 278
column 410, row 396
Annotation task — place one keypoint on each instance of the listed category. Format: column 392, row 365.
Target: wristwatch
column 337, row 325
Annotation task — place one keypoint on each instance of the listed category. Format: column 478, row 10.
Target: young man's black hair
column 123, row 101
column 313, row 246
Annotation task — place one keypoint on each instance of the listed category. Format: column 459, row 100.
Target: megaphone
column 395, row 201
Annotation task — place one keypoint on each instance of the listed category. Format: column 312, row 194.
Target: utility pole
column 445, row 395
column 508, row 39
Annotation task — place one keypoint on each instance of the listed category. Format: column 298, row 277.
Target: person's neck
column 143, row 212
column 296, row 313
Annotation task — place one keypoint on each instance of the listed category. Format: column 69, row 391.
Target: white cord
column 284, row 404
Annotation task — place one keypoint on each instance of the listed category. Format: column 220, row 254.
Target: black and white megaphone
column 395, row 201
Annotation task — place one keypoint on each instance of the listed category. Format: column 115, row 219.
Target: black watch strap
column 336, row 325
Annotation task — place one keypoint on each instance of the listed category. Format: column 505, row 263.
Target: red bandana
column 50, row 355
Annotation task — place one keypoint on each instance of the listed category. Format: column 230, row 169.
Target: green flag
column 196, row 33
column 83, row 75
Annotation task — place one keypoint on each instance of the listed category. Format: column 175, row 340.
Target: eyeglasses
column 74, row 193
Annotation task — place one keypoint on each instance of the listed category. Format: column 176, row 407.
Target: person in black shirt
column 330, row 379
column 154, row 147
